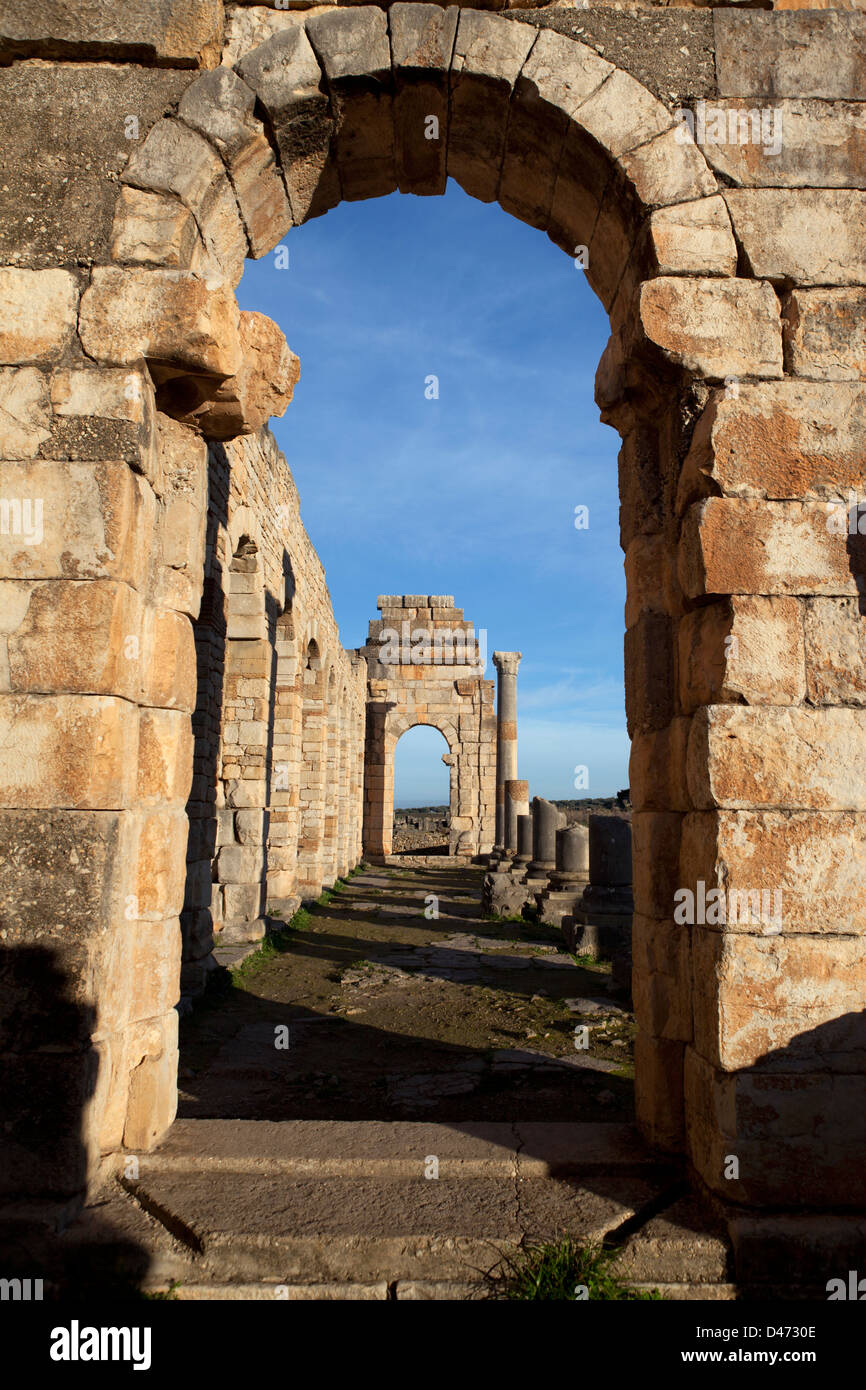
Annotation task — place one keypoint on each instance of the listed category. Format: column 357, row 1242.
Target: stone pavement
column 411, row 1135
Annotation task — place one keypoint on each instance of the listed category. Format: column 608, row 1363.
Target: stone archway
column 732, row 457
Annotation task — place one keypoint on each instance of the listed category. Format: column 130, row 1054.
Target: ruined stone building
column 185, row 742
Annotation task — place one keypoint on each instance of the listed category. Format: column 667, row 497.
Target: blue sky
column 474, row 493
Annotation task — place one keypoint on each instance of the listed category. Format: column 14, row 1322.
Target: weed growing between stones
column 274, row 944
column 561, row 1271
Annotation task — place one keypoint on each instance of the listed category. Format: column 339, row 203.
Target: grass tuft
column 561, row 1270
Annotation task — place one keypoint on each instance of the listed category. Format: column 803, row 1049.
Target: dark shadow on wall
column 209, row 631
column 48, row 1075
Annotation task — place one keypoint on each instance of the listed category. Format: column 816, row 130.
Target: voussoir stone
column 285, row 75
column 353, row 47
column 220, row 106
column 694, row 238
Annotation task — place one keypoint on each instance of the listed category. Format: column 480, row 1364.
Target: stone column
column 603, row 918
column 516, row 805
column 506, row 664
column 546, row 820
column 570, row 877
column 520, row 862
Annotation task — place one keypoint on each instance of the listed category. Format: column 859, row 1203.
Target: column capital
column 507, row 663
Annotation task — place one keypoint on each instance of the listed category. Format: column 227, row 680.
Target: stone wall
column 138, row 169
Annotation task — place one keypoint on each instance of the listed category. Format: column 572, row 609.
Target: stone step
column 400, row 1149
column 248, row 1227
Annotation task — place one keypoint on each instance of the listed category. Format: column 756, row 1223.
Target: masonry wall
column 276, row 741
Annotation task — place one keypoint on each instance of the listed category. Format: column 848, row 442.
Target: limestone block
column 167, row 316
column 581, row 178
column 665, row 171
column 286, row 77
column 659, row 1089
column 160, row 875
column 152, row 1100
column 78, row 638
column 651, row 582
column 825, row 334
column 154, row 229
column 744, row 650
column 790, row 439
column 799, row 1136
column 37, row 314
column 168, row 667
column 25, row 412
column 199, row 889
column 815, row 860
column 244, row 793
column 649, row 673
column 155, row 968
column 263, row 387
column 67, row 520
column 805, row 144
column 243, row 901
column 249, row 26
column 656, row 767
column 488, row 56
column 122, row 399
column 221, row 107
column 810, row 236
column 550, row 87
column 662, row 978
column 742, row 758
column 805, row 53
column 746, row 546
column 240, row 864
column 75, row 751
column 655, row 861
column 175, row 159
column 165, row 749
column 835, row 651
column 181, row 519
column 757, row 995
column 694, row 238
column 422, row 41
column 353, row 48
column 714, row 327
column 138, row 32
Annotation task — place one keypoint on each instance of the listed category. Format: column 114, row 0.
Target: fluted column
column 506, row 664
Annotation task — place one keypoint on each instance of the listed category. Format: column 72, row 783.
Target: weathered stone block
column 694, row 238
column 285, row 75
column 262, row 388
column 805, row 144
column 73, row 521
column 37, row 314
column 789, row 439
column 74, row 751
column 78, row 638
column 657, row 768
column 807, row 53
column 745, row 546
column 656, row 861
column 488, row 56
column 189, row 36
column 152, row 1104
column 649, row 673
column 422, row 40
column 825, row 334
column 743, row 757
column 353, row 48
column 153, row 229
column 805, row 235
column 169, row 317
column 661, row 981
column 783, row 1003
column 816, row 861
column 714, row 327
column 835, row 651
column 743, row 650
column 165, row 749
column 25, row 412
